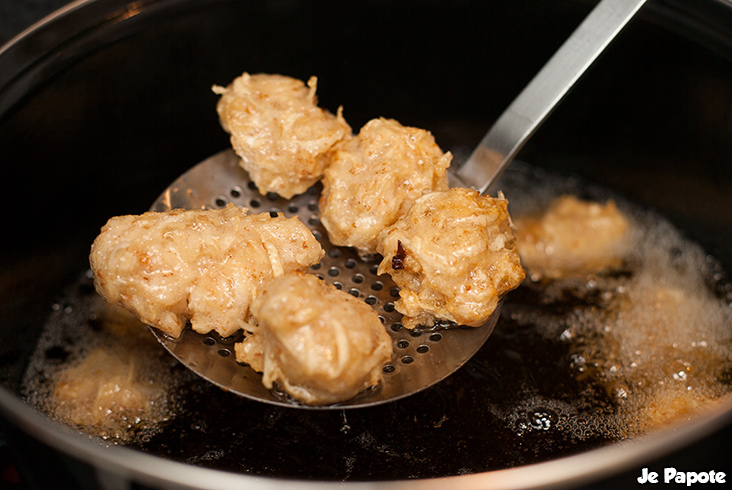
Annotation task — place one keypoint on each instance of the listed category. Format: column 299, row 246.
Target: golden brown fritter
column 283, row 138
column 319, row 344
column 374, row 179
column 453, row 256
column 206, row 266
column 112, row 392
column 571, row 237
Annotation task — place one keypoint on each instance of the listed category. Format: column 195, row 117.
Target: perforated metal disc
column 421, row 358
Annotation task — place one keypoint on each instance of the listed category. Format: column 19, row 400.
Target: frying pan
column 102, row 104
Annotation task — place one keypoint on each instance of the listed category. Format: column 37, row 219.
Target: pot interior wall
column 113, row 114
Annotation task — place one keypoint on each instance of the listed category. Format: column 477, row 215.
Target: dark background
column 15, row 16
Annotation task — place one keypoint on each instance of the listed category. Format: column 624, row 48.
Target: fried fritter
column 113, row 392
column 453, row 256
column 206, row 266
column 319, row 344
column 571, row 237
column 374, row 179
column 283, row 138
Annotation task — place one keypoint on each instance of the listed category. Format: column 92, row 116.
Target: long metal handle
column 534, row 104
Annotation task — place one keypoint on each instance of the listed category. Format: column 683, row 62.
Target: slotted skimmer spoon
column 421, row 357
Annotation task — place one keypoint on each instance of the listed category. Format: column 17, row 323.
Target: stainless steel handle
column 534, row 104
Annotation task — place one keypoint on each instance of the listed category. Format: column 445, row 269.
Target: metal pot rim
column 571, row 470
